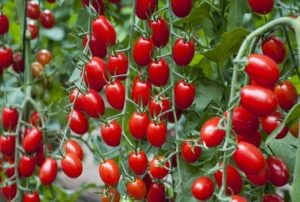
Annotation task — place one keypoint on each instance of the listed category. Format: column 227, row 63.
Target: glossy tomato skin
column 271, row 122
column 202, row 188
column 156, row 170
column 97, row 47
column 48, row 171
column 262, row 70
column 78, row 122
column 159, row 72
column 138, row 162
column 98, row 5
column 33, row 10
column 7, row 144
column 72, row 146
column 118, row 65
column 136, row 189
column 142, row 51
column 260, row 179
column 6, row 56
column 159, row 106
column 40, row 155
column 286, row 94
column 115, row 93
column 141, row 91
column 26, row 166
column 4, row 24
column 261, row 6
column 279, row 173
column 44, row 56
column 183, row 52
column 258, row 100
column 71, row 165
column 145, row 8
column 272, row 198
column 237, row 198
column 185, row 94
column 79, row 101
column 92, row 83
column 171, row 117
column 96, row 70
column 138, row 124
column 254, row 139
column 32, row 140
column 93, row 104
column 111, row 133
column 47, row 19
column 156, row 193
column 18, row 62
column 9, row 191
column 234, row 182
column 156, row 133
column 190, row 152
column 274, row 48
column 160, row 32
column 31, row 197
column 249, row 158
column 210, row 134
column 104, row 30
column 109, row 172
column 181, row 8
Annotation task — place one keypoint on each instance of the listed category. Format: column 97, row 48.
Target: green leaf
column 237, row 9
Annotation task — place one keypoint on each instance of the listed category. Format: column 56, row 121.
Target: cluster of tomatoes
column 43, row 57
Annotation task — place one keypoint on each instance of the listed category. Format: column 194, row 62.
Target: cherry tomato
column 274, row 48
column 183, row 52
column 33, row 30
column 93, row 104
column 286, row 94
column 111, row 133
column 202, row 188
column 9, row 191
column 92, row 83
column 156, row 133
column 35, row 119
column 96, row 70
column 148, row 180
column 111, row 195
column 261, row 6
column 262, row 70
column 72, row 146
column 31, row 197
column 272, row 198
column 160, row 32
column 97, row 47
column 48, row 171
column 159, row 106
column 136, row 189
column 104, row 30
column 156, row 193
column 210, row 132
column 190, row 152
column 234, row 182
column 115, row 94
column 114, row 1
column 32, row 140
column 4, row 24
column 159, row 72
column 98, row 5
column 237, row 198
column 40, row 155
column 78, row 122
column 79, row 101
column 184, row 94
column 141, row 91
column 171, row 117
column 6, row 56
column 142, row 51
column 254, row 139
column 156, row 169
column 71, row 165
column 44, row 56
column 260, row 179
column 279, row 173
column 109, row 172
column 118, row 65
column 51, row 1
column 138, row 162
column 47, row 19
column 249, row 158
column 18, row 62
column 10, row 172
column 258, row 100
column 138, row 124
column 26, row 166
column 145, row 8
column 271, row 122
column 181, row 8
column 7, row 144
column 37, row 69
column 33, row 10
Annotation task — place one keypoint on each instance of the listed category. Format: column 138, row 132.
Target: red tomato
column 31, row 197
column 145, row 8
column 184, row 94
column 234, row 182
column 271, row 122
column 261, row 6
column 262, row 70
column 190, row 153
column 72, row 146
column 160, row 32
column 237, row 198
column 32, row 140
column 114, row 1
column 109, row 172
column 156, row 193
column 274, row 48
column 97, row 47
column 159, row 106
column 138, row 162
column 254, row 139
column 7, row 144
column 136, row 189
column 249, row 158
column 111, row 133
column 260, row 179
column 78, row 122
column 183, row 52
column 26, row 166
column 71, row 165
column 211, row 134
column 78, row 104
column 279, row 173
column 156, row 133
column 286, row 94
column 138, row 124
column 272, row 198
column 156, row 169
column 96, row 70
column 171, row 117
column 9, row 192
column 159, row 72
column 18, row 62
column 40, row 155
column 181, row 8
column 48, row 171
column 104, row 30
column 44, row 56
column 92, row 84
column 34, row 119
column 115, row 93
column 258, row 100
column 4, row 24
column 51, row 1
column 47, row 19
column 33, row 10
column 142, row 51
column 93, row 104
column 6, row 57
column 98, row 5
column 202, row 188
column 118, row 65
column 111, row 195
column 141, row 91
column 148, row 180
column 33, row 29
